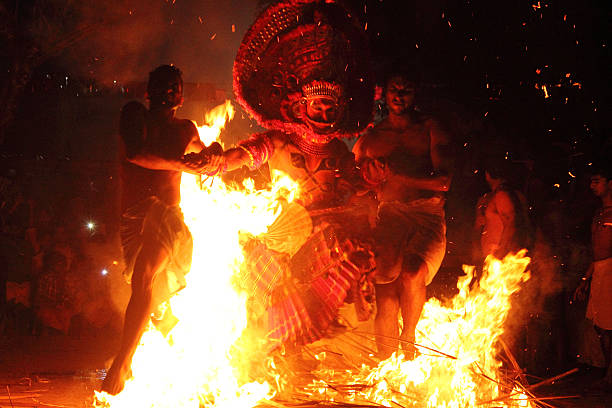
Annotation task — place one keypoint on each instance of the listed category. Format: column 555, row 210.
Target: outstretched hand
column 209, row 161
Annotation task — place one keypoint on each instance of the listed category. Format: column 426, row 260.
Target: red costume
column 302, row 71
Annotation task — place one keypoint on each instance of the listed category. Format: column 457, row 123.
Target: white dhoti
column 599, row 308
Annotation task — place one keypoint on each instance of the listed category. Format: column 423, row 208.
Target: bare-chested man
column 405, row 159
column 599, row 307
column 502, row 220
column 156, row 242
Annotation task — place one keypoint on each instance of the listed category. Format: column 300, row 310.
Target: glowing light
column 90, row 225
column 214, row 122
column 104, row 272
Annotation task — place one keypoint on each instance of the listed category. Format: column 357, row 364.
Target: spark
column 90, row 225
column 213, row 36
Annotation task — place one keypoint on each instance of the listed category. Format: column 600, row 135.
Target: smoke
column 123, row 42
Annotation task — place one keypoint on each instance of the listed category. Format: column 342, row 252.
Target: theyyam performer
column 302, row 71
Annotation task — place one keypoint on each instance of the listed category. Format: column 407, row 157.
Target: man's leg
column 386, row 322
column 605, row 339
column 412, row 298
column 152, row 260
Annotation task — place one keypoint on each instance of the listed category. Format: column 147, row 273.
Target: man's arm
column 441, row 160
column 441, row 156
column 139, row 144
column 432, row 183
column 252, row 152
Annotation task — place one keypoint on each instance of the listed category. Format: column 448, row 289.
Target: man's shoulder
column 382, row 126
column 186, row 123
column 134, row 109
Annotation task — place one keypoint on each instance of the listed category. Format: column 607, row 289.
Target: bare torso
column 405, row 151
column 501, row 221
column 167, row 139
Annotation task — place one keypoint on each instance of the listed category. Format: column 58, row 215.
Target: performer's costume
column 153, row 218
column 309, row 263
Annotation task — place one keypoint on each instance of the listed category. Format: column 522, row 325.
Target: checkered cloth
column 301, row 297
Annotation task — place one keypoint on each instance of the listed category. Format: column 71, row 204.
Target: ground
column 54, row 370
column 59, row 371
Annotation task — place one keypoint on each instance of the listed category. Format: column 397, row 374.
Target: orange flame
column 466, row 331
column 214, row 122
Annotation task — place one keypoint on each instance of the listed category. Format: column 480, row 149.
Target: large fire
column 457, row 366
column 200, row 364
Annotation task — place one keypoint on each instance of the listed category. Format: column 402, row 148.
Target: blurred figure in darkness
column 599, row 273
column 502, row 218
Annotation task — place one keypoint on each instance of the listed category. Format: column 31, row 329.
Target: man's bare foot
column 116, row 378
column 408, row 348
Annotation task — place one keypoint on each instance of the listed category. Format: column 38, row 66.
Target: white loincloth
column 599, row 308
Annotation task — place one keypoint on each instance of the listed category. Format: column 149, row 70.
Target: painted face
column 321, row 114
column 600, row 185
column 399, row 95
column 322, row 110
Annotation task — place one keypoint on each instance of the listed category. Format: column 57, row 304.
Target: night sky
column 532, row 70
column 525, row 79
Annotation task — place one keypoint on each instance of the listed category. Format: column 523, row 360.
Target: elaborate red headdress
column 299, row 50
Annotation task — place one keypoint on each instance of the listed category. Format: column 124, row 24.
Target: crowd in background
column 51, row 282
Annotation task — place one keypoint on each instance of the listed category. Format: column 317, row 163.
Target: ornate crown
column 317, row 89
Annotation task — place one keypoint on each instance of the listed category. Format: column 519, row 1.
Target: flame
column 466, row 374
column 204, row 361
column 214, row 122
column 196, row 364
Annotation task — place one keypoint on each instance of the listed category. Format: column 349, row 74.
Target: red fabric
column 264, row 273
column 301, row 307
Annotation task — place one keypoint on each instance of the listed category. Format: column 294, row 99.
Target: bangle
column 251, row 158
